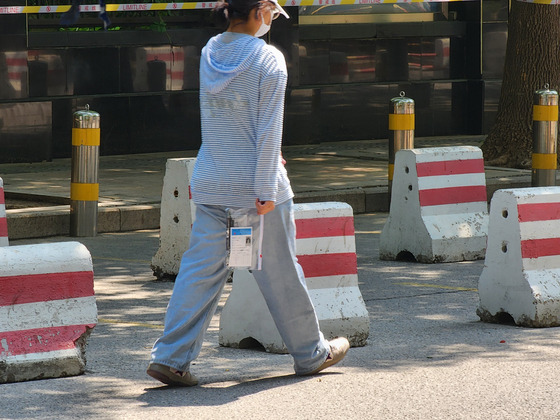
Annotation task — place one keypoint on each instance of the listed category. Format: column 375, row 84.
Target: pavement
column 355, row 172
column 428, row 356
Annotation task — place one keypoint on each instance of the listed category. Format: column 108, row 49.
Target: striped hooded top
column 242, row 89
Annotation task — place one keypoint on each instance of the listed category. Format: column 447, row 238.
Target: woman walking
column 239, row 165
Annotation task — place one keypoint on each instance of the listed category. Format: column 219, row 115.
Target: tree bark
column 532, row 61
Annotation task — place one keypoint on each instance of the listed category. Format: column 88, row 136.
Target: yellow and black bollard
column 545, row 136
column 401, row 131
column 84, row 189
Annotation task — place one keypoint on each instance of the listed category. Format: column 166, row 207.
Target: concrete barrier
column 47, row 310
column 439, row 211
column 176, row 217
column 521, row 275
column 3, row 221
column 326, row 250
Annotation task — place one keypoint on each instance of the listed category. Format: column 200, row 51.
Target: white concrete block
column 47, row 310
column 439, row 211
column 177, row 216
column 326, row 250
column 521, row 275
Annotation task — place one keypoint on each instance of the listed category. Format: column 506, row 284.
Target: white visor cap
column 279, row 8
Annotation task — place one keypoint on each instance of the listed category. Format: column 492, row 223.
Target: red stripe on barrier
column 2, row 196
column 170, row 57
column 452, row 195
column 535, row 248
column 324, row 226
column 11, row 62
column 534, row 212
column 44, row 287
column 3, row 229
column 40, row 340
column 450, row 167
column 328, row 264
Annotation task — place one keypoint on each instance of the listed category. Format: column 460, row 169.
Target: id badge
column 244, row 239
column 241, row 247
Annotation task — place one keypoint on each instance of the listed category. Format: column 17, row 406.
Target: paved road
column 428, row 355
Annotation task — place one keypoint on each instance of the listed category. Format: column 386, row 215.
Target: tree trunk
column 532, row 61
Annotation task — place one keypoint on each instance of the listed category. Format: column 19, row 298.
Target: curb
column 41, row 222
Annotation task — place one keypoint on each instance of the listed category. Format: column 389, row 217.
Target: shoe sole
column 159, row 373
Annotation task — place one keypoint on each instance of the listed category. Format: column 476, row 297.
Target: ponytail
column 226, row 10
column 222, row 12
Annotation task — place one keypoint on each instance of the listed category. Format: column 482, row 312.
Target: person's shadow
column 206, row 394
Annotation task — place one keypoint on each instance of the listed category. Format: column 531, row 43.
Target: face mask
column 263, row 29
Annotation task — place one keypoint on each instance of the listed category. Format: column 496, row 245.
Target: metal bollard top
column 402, row 105
column 546, row 96
column 86, row 118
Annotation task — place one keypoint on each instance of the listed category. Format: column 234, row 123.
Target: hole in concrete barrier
column 505, row 214
column 176, row 219
column 406, row 169
column 405, row 256
column 176, row 193
column 504, row 247
column 504, row 318
column 410, row 188
column 251, row 343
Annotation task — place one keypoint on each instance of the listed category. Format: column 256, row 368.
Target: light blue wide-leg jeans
column 201, row 278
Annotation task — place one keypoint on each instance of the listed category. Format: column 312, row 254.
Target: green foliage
column 159, row 26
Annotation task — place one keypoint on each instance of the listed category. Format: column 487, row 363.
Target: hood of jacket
column 224, row 57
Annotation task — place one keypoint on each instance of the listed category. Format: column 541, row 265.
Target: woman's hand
column 264, row 207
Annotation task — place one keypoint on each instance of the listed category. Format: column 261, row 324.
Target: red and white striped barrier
column 47, row 310
column 326, row 250
column 16, row 63
column 176, row 218
column 521, row 275
column 174, row 61
column 3, row 220
column 439, row 211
